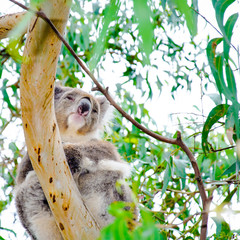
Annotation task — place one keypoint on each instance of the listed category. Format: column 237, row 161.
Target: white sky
column 159, row 111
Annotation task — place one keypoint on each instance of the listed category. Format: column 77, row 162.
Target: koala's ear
column 58, row 91
column 105, row 107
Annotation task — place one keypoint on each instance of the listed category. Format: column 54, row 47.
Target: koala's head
column 80, row 116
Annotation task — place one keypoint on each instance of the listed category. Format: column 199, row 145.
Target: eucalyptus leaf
column 232, row 168
column 230, row 119
column 228, row 28
column 164, row 4
column 215, row 98
column 220, row 8
column 190, row 15
column 143, row 15
column 221, row 224
column 226, row 200
column 166, row 179
column 181, row 165
column 213, row 117
column 211, row 52
column 218, row 222
column 110, row 14
column 6, row 98
column 231, row 83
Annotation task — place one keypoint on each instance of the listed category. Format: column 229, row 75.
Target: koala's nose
column 84, row 107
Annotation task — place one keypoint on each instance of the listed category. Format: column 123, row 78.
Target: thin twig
column 229, row 43
column 190, row 229
column 220, row 149
column 182, row 210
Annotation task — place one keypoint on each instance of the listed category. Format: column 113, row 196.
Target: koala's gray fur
column 96, row 165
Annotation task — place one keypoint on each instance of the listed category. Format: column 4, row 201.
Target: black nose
column 84, row 107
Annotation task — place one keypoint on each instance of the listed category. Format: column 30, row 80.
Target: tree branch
column 205, row 201
column 8, row 22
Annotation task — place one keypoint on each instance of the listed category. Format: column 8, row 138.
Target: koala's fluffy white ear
column 106, row 110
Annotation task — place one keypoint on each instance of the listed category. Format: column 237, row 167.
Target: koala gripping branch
column 41, row 132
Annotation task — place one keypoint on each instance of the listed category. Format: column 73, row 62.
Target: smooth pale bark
column 8, row 22
column 40, row 128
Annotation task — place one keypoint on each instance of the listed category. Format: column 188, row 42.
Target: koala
column 95, row 165
column 80, row 118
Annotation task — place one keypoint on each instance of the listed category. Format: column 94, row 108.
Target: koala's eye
column 70, row 97
column 87, row 98
column 95, row 110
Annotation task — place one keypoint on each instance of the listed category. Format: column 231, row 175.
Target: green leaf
column 9, row 230
column 215, row 98
column 5, row 95
column 216, row 65
column 220, row 8
column 148, row 230
column 230, row 119
column 229, row 31
column 3, row 205
column 219, row 66
column 211, row 51
column 110, row 15
column 84, row 38
column 143, row 15
column 166, row 179
column 231, row 83
column 226, row 200
column 195, row 14
column 150, row 94
column 37, row 3
column 118, row 229
column 13, row 146
column 190, row 15
column 222, row 226
column 215, row 114
column 232, row 168
column 164, row 4
column 180, row 169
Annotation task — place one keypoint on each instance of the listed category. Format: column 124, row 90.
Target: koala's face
column 79, row 114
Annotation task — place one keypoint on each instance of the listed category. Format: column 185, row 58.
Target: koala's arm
column 95, row 155
column 88, row 155
column 23, row 169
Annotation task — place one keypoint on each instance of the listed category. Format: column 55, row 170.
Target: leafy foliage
column 137, row 44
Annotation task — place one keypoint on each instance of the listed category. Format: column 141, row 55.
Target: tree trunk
column 40, row 128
